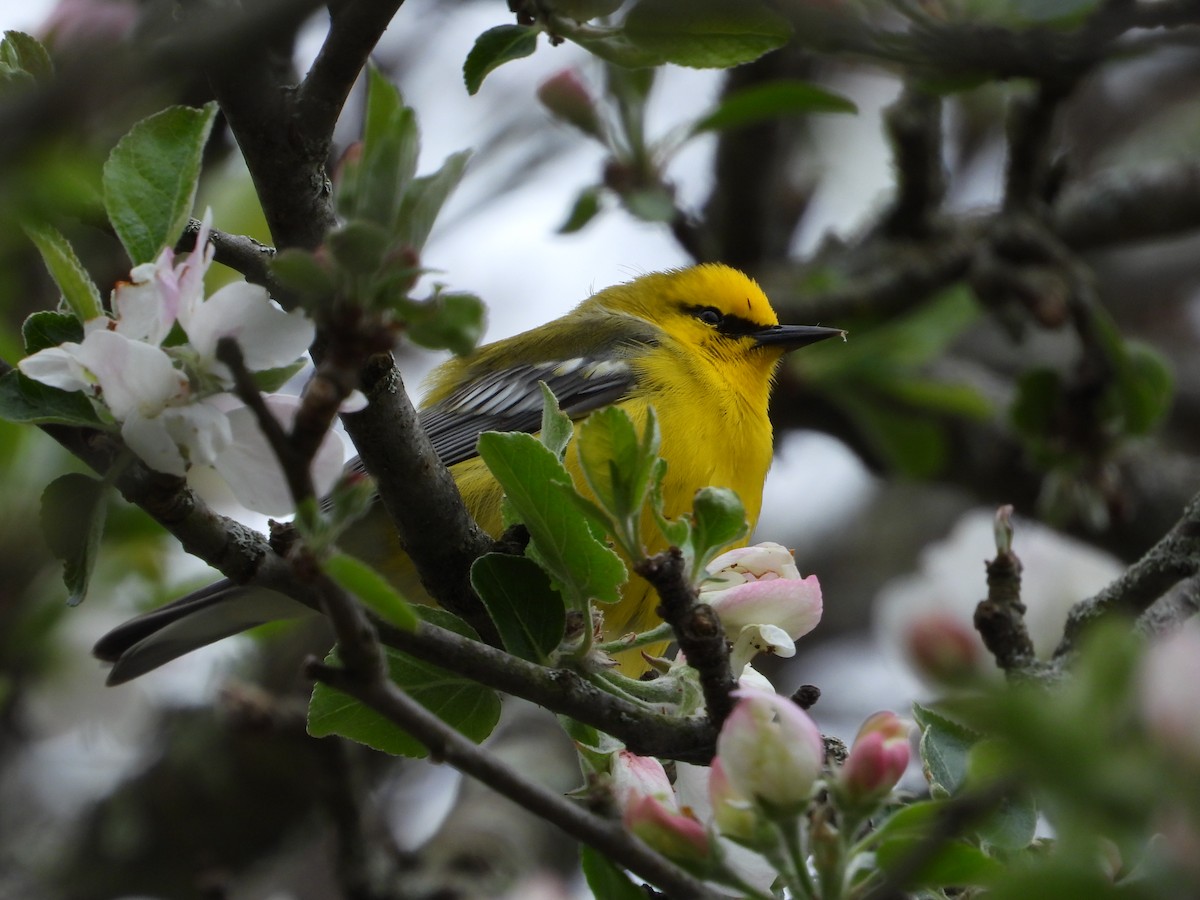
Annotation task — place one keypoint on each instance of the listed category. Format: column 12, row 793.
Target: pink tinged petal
column 58, row 367
column 636, row 776
column 187, row 279
column 795, row 605
column 268, row 336
column 878, row 757
column 943, row 648
column 771, row 751
column 759, row 560
column 677, row 836
column 133, row 376
column 153, row 444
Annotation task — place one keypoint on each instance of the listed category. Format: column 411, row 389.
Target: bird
column 699, row 345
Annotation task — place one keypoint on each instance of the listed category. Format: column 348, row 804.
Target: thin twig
column 1175, row 557
column 241, row 253
column 354, row 29
column 292, row 461
column 697, row 628
column 438, row 532
column 914, row 129
column 363, row 675
column 1000, row 619
column 447, row 745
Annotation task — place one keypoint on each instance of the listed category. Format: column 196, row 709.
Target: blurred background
column 198, row 780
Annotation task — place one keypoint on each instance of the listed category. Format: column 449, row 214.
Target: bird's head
column 714, row 312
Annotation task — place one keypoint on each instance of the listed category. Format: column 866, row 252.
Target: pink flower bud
column 761, row 599
column 567, row 98
column 943, row 648
column 877, row 759
column 636, row 776
column 75, row 26
column 771, row 751
column 676, row 835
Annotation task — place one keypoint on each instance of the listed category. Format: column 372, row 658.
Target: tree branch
column 354, row 29
column 1000, row 619
column 438, row 532
column 363, row 675
column 697, row 628
column 1175, row 557
column 447, row 745
column 240, row 253
column 914, row 130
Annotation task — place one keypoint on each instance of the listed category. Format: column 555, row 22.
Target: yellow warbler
column 699, row 345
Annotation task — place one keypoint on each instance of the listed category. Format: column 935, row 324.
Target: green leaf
column 537, row 487
column 769, row 101
column 1037, row 403
column 910, row 444
column 718, row 519
column 876, row 354
column 605, row 880
column 271, row 380
column 557, row 427
column 528, row 612
column 300, row 271
column 962, row 400
column 654, row 204
column 1011, row 827
column 450, row 320
column 945, row 745
column 677, row 532
column 696, row 33
column 21, row 52
column 29, row 402
column 151, row 175
column 391, row 145
column 494, row 48
column 73, row 510
column 49, row 329
column 616, row 463
column 585, row 208
column 1144, row 388
column 462, row 704
column 359, row 246
column 947, row 863
column 375, row 591
column 425, row 198
column 77, row 287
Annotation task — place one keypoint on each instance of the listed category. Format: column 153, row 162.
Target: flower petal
column 149, row 439
column 249, row 465
column 793, row 604
column 133, row 376
column 60, row 368
column 268, row 336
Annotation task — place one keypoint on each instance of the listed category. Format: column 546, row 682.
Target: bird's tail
column 201, row 618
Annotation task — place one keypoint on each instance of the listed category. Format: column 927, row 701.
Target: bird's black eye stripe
column 725, row 323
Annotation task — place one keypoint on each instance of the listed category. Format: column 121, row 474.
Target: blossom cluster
column 172, row 400
column 771, row 760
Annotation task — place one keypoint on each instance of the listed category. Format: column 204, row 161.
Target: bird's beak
column 792, row 337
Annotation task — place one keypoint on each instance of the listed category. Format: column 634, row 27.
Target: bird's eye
column 709, row 316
